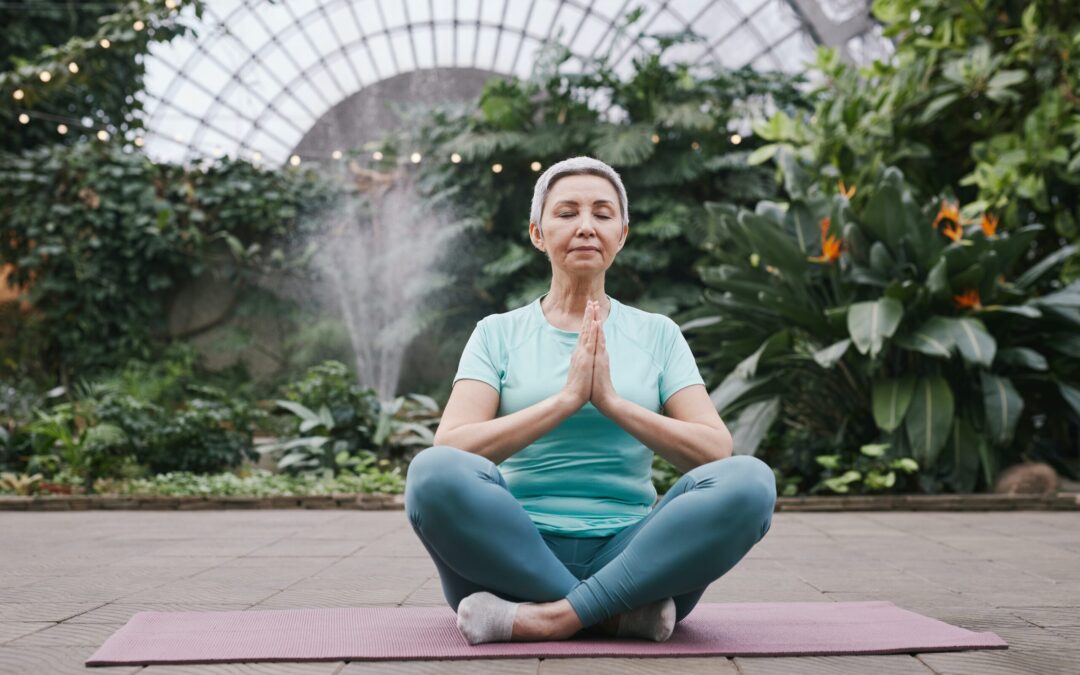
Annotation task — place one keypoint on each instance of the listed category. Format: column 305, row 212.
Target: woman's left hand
column 603, row 392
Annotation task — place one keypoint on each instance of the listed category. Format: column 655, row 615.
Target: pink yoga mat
column 416, row 633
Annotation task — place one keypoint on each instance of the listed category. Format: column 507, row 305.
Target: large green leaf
column 891, row 398
column 965, row 452
column 869, row 323
column 929, row 419
column 1036, row 271
column 933, row 338
column 1023, row 357
column 827, row 357
column 1071, row 395
column 734, row 388
column 752, row 424
column 1003, row 406
column 976, row 346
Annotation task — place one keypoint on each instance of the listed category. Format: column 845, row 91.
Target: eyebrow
column 574, row 202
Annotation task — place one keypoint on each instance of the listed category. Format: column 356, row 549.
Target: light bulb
column 103, row 135
column 455, row 158
column 104, row 42
column 376, row 155
column 138, row 26
column 736, row 139
column 497, row 168
column 535, row 166
column 45, row 76
column 24, row 118
column 295, row 160
column 73, row 67
column 415, row 157
column 62, row 128
column 18, row 94
column 336, row 154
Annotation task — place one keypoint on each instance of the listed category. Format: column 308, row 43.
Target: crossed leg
column 481, row 539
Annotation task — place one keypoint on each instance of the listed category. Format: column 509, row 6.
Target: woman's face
column 581, row 223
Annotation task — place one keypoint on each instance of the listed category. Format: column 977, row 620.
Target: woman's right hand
column 578, row 386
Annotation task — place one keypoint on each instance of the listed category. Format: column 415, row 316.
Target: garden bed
column 1062, row 501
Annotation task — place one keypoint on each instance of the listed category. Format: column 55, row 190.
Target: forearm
column 686, row 445
column 503, row 437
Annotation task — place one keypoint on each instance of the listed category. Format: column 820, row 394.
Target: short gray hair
column 572, row 167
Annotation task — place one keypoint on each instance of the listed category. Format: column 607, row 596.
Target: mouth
column 585, row 248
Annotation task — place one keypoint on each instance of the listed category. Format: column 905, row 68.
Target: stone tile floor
column 69, row 580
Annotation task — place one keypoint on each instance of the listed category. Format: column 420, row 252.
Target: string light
column 655, row 138
column 18, row 94
column 336, row 154
column 171, row 4
column 24, row 118
column 73, row 67
column 455, row 158
column 45, row 76
column 104, row 42
column 695, row 145
column 138, row 26
column 736, row 139
column 103, row 135
column 295, row 160
column 415, row 157
column 61, row 128
column 257, row 156
column 535, row 166
column 139, row 141
column 497, row 168
column 377, row 156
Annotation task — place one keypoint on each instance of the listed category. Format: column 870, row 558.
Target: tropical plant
column 979, row 98
column 871, row 315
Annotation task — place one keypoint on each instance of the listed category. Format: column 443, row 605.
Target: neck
column 570, row 299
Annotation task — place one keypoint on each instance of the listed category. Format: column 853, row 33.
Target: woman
column 536, row 502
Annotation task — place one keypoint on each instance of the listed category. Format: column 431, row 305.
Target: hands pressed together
column 590, row 374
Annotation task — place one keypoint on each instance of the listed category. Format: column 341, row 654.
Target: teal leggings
column 481, row 538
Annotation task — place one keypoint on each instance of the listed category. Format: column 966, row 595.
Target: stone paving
column 69, row 580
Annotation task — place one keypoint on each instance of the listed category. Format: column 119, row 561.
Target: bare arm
column 497, row 438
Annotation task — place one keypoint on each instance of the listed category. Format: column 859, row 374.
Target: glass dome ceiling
column 257, row 75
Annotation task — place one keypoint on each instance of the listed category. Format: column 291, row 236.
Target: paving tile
column 69, row 634
column 887, row 664
column 122, row 612
column 75, row 578
column 689, row 666
column 54, row 660
column 1002, row 662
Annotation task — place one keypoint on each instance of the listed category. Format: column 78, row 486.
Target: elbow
column 726, row 445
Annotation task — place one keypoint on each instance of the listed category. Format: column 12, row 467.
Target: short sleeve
column 679, row 367
column 479, row 359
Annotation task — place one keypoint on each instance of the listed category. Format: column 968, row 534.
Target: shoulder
column 509, row 327
column 646, row 321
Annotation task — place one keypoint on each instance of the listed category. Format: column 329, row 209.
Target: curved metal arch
column 221, row 30
column 340, row 52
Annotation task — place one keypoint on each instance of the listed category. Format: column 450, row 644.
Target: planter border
column 1062, row 501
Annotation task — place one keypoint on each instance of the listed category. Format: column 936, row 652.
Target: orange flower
column 988, row 224
column 953, row 231
column 830, row 245
column 847, row 192
column 948, row 211
column 969, row 298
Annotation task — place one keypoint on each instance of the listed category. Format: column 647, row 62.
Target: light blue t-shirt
column 587, row 477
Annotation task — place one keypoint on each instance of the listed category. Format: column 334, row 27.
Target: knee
column 749, row 481
column 430, row 473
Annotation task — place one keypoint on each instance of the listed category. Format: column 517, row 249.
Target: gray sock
column 484, row 617
column 655, row 621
